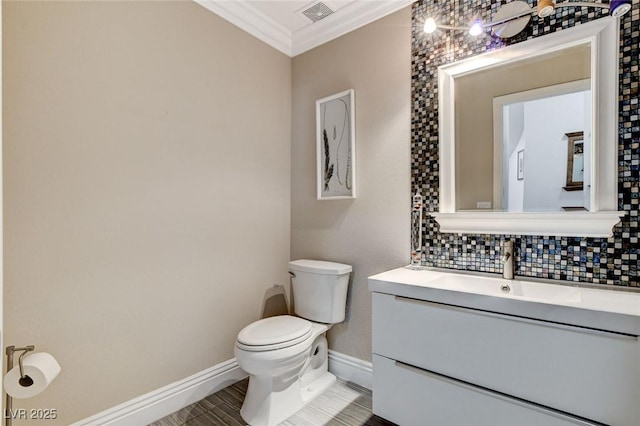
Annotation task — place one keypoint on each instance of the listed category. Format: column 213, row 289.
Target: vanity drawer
column 572, row 369
column 410, row 396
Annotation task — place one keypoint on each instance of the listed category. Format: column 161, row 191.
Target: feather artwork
column 335, row 167
column 328, row 167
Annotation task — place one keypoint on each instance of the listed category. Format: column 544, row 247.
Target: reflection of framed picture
column 575, row 161
column 521, row 164
column 335, row 146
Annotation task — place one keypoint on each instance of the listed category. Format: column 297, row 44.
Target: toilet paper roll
column 41, row 367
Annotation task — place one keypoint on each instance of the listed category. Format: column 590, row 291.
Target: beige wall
column 146, row 183
column 371, row 232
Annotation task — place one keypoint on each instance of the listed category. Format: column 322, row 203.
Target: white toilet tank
column 320, row 289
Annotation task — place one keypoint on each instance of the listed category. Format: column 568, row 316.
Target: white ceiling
column 280, row 24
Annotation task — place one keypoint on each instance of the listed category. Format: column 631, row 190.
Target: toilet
column 287, row 356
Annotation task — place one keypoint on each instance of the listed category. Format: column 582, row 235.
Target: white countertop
column 596, row 308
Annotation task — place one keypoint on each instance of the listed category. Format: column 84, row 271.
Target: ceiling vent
column 316, row 11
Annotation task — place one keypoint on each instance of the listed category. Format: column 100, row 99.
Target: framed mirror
column 575, row 162
column 499, row 170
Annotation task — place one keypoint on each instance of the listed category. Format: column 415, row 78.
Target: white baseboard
column 351, row 369
column 171, row 398
column 166, row 400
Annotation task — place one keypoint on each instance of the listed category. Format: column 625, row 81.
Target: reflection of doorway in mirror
column 537, row 122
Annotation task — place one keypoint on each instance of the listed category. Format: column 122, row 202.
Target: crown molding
column 252, row 21
column 350, row 17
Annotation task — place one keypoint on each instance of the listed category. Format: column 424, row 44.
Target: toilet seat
column 274, row 333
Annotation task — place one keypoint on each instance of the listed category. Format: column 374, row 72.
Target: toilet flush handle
column 292, row 274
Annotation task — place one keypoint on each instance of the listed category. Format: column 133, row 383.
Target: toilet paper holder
column 24, row 379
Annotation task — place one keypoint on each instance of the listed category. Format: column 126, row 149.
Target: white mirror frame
column 602, row 35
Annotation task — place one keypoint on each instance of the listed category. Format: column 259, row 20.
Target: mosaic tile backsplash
column 612, row 261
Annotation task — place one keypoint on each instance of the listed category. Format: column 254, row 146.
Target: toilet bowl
column 287, row 356
column 283, row 375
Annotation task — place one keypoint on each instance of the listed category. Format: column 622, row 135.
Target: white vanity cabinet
column 442, row 361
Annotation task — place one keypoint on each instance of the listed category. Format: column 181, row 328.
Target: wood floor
column 344, row 404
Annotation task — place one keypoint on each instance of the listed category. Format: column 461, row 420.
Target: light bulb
column 430, row 25
column 546, row 8
column 476, row 28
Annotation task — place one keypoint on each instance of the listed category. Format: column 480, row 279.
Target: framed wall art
column 335, row 146
column 575, row 161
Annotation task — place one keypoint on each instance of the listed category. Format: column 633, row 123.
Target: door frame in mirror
column 498, row 123
column 602, row 36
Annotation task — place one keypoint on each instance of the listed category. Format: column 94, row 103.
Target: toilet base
column 271, row 400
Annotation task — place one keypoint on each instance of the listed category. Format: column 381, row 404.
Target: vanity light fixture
column 513, row 17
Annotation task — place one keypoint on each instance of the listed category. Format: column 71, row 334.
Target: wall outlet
column 483, row 205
